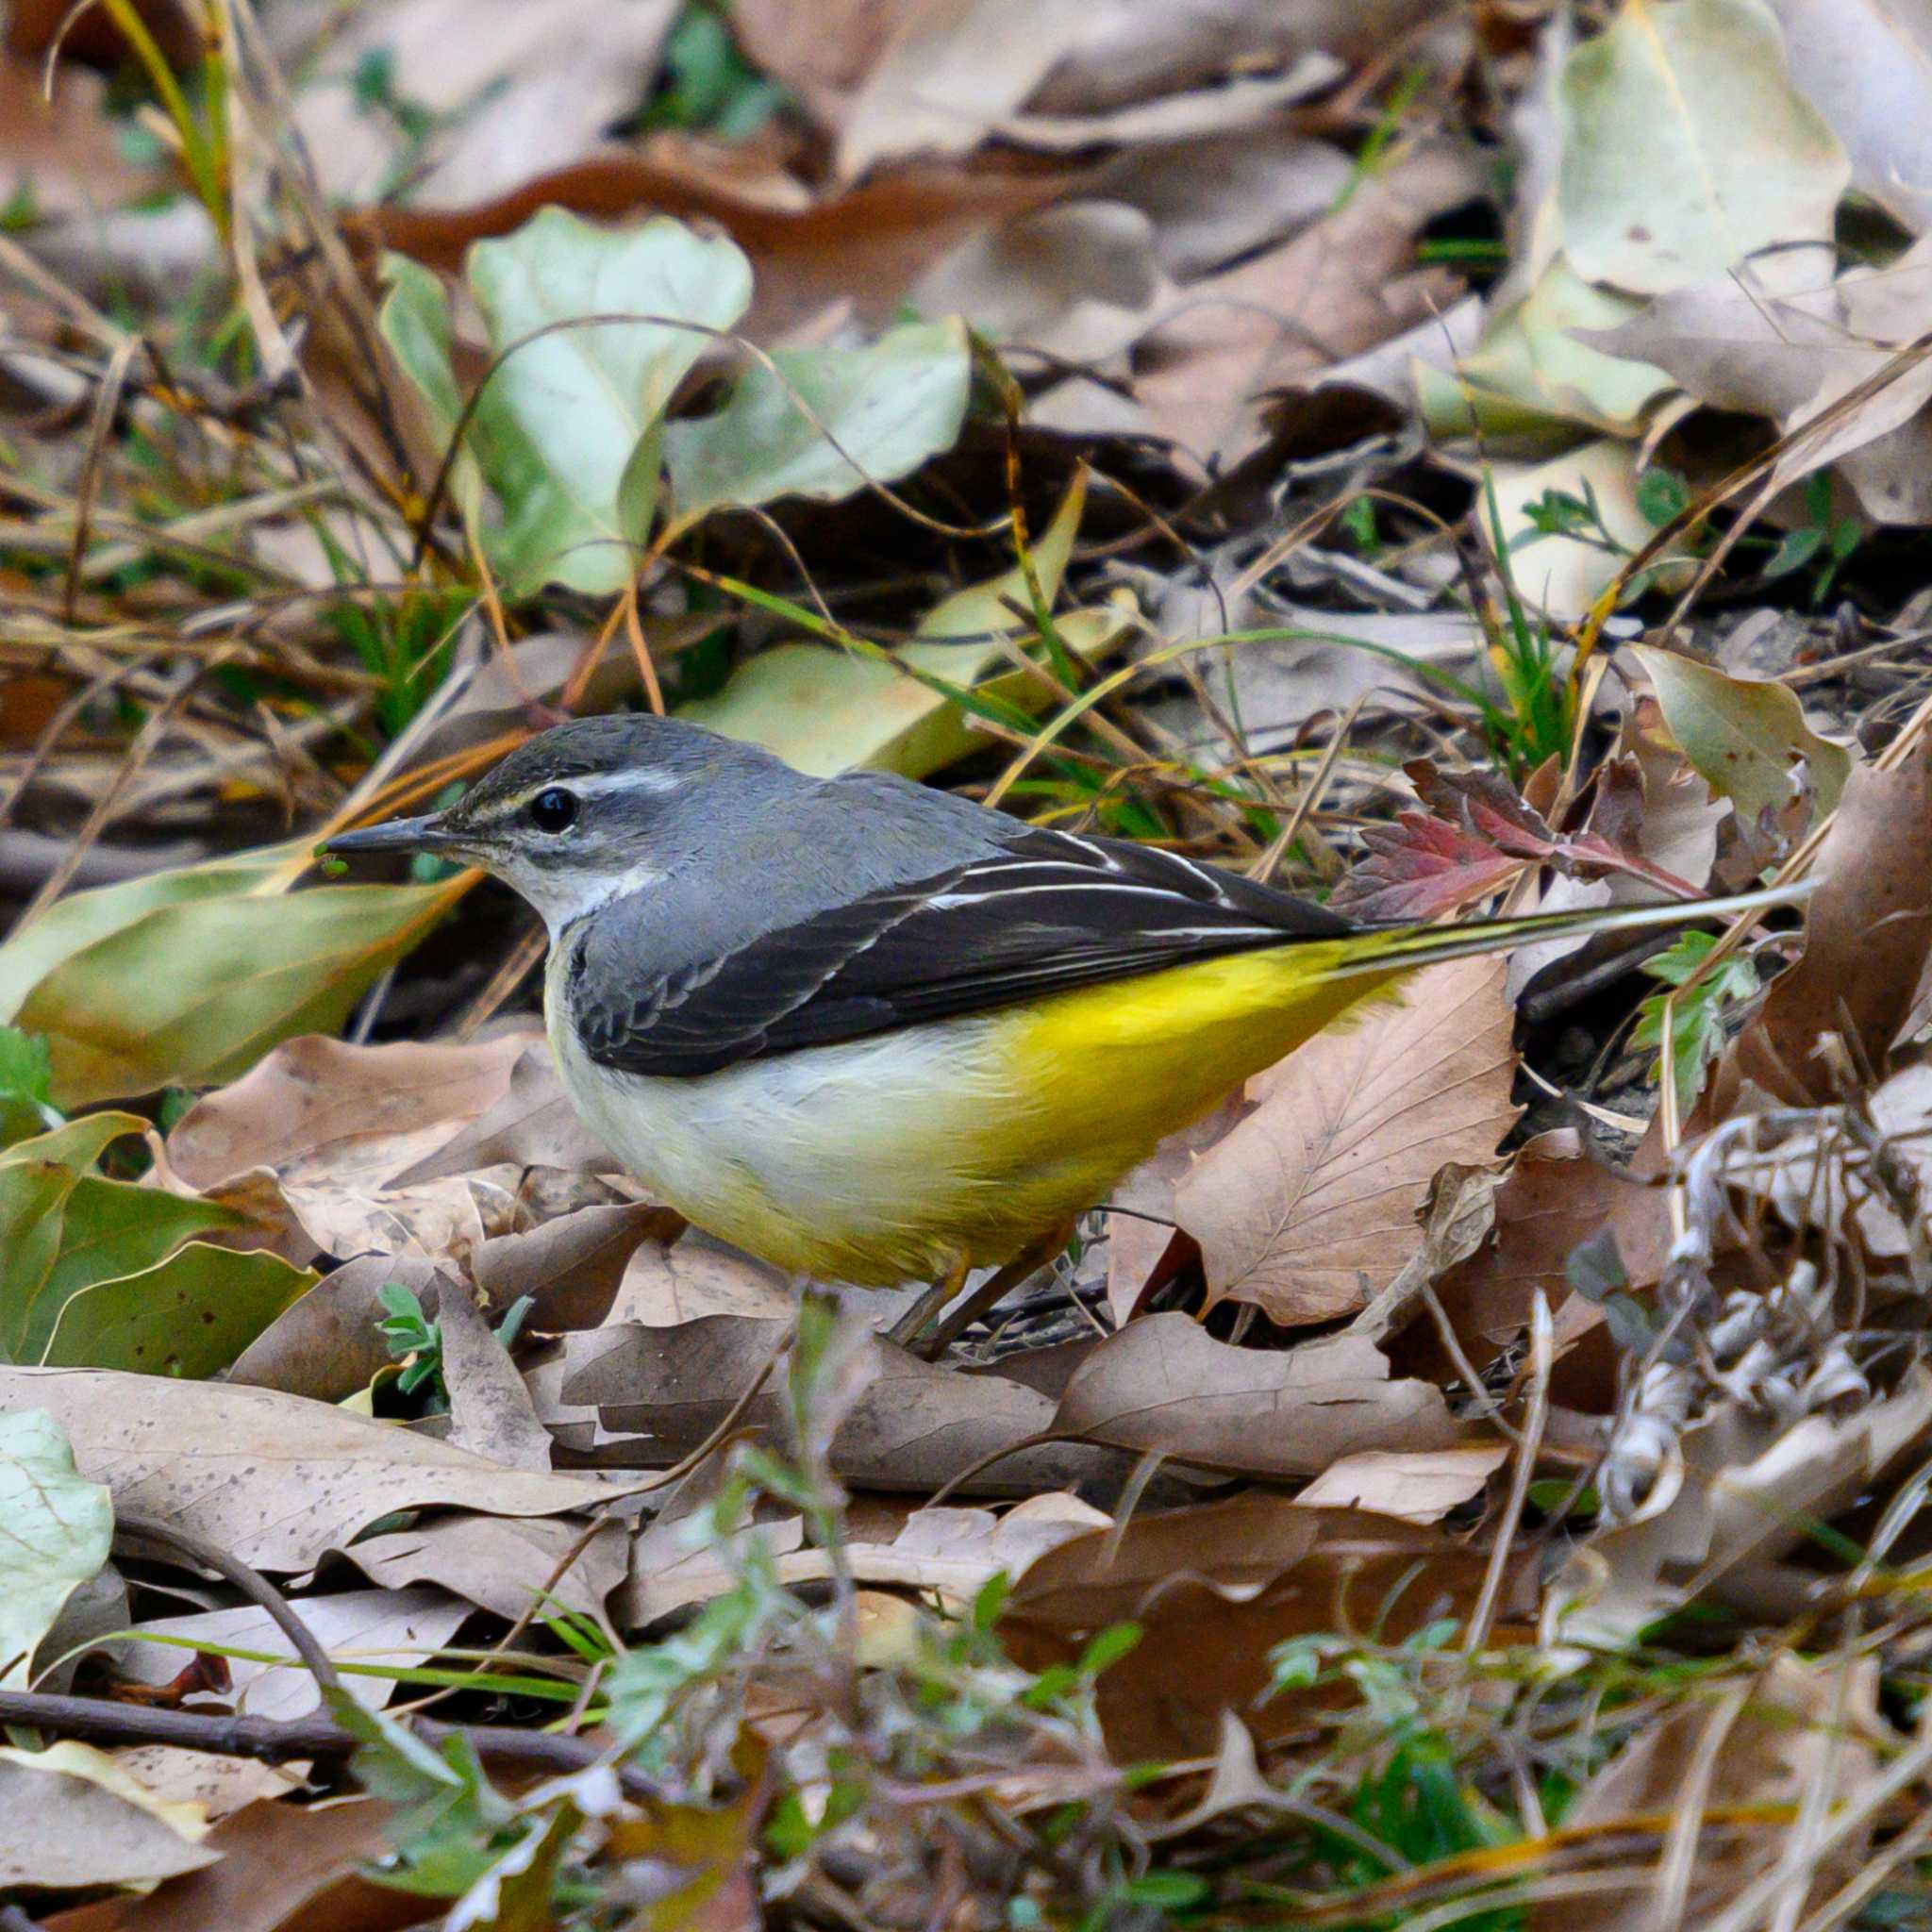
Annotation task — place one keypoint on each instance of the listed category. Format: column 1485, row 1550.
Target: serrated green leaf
column 1697, row 1017
column 55, row 1533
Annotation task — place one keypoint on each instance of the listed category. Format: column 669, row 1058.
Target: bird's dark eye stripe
column 553, row 809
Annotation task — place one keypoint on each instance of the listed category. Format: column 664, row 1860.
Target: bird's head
column 586, row 813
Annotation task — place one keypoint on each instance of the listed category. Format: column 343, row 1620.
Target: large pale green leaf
column 55, row 1532
column 567, row 424
column 1530, row 378
column 1686, row 146
column 827, row 711
column 1745, row 736
column 102, row 1274
column 191, row 1315
column 190, row 975
column 888, row 407
column 414, row 321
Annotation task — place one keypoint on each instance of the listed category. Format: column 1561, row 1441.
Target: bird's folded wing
column 1049, row 913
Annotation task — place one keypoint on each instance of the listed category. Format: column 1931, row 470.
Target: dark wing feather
column 1047, row 913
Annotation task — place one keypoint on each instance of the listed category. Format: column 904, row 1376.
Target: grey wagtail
column 875, row 1033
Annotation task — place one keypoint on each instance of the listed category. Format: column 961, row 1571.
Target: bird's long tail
column 1426, row 945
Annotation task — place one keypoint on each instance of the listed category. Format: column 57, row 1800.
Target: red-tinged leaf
column 1420, row 868
column 1477, row 837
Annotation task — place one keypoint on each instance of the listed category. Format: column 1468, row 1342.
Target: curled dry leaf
column 1308, row 1208
column 1868, row 931
column 532, row 1124
column 1800, row 1735
column 1214, row 1587
column 338, row 1125
column 1555, row 1197
column 1745, row 1490
column 1164, row 1385
column 275, row 1479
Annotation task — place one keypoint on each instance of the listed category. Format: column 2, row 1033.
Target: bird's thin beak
column 398, row 835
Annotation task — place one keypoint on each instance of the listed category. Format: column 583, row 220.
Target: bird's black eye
column 553, row 809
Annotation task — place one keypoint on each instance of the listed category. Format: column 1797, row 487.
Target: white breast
column 819, row 1159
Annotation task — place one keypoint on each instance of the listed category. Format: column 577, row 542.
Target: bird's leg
column 995, row 1289
column 925, row 1311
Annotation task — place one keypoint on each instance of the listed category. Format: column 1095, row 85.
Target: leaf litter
column 1474, row 1471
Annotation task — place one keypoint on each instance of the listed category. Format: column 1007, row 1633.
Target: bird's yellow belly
column 886, row 1160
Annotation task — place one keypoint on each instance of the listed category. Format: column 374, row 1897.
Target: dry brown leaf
column 403, row 1627
column 667, row 1285
column 499, row 1564
column 532, row 1124
column 337, row 1125
column 1417, row 1485
column 510, row 89
column 862, row 250
column 276, row 1479
column 71, row 1819
column 327, row 1345
column 1163, row 1385
column 1555, row 1197
column 280, row 1867
column 490, row 1411
column 571, row 1267
column 215, row 1786
column 1337, row 290
column 1801, row 1734
column 1867, row 933
column 1308, row 1207
column 321, row 1106
column 1214, row 1589
column 59, row 158
column 912, row 1424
